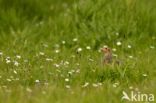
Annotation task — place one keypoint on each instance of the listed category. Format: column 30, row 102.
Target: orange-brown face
column 105, row 50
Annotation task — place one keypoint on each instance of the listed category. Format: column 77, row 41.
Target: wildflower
column 88, row 47
column 68, row 86
column 17, row 79
column 105, row 46
column 129, row 46
column 1, row 53
column 152, row 47
column 99, row 84
column 45, row 45
column 118, row 43
column 94, row 85
column 78, row 71
column 56, row 45
column 79, row 49
column 115, row 85
column 66, row 63
column 130, row 56
column 70, row 72
column 130, row 87
column 28, row 90
column 145, row 75
column 91, row 60
column 66, row 79
column 9, row 80
column 41, row 53
column 75, row 39
column 49, row 59
column 37, row 81
column 63, row 42
column 8, row 61
column 85, row 85
column 18, row 56
column 16, row 63
column 117, row 34
column 73, row 56
column 56, row 65
column 114, row 49
column 15, row 72
column 57, row 51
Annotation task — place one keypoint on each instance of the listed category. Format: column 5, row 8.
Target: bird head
column 106, row 50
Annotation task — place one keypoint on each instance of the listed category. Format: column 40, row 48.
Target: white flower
column 91, row 60
column 99, row 84
column 8, row 61
column 114, row 49
column 152, row 47
column 49, row 59
column 68, row 86
column 118, row 43
column 88, row 47
column 115, row 85
column 66, row 63
column 56, row 65
column 145, row 75
column 129, row 46
column 73, row 56
column 85, row 85
column 105, row 46
column 130, row 87
column 79, row 49
column 1, row 53
column 18, row 56
column 15, row 71
column 57, row 51
column 28, row 90
column 16, row 63
column 17, row 79
column 37, row 81
column 63, row 42
column 78, row 71
column 130, row 56
column 66, row 79
column 41, row 53
column 117, row 34
column 94, row 85
column 77, row 64
column 75, row 39
column 56, row 45
column 9, row 80
column 70, row 72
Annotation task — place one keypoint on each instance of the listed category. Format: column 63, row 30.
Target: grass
column 39, row 57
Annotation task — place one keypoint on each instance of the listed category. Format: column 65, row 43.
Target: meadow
column 50, row 50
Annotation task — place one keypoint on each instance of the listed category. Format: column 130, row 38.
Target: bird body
column 108, row 57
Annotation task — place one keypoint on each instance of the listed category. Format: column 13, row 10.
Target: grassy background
column 36, row 30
